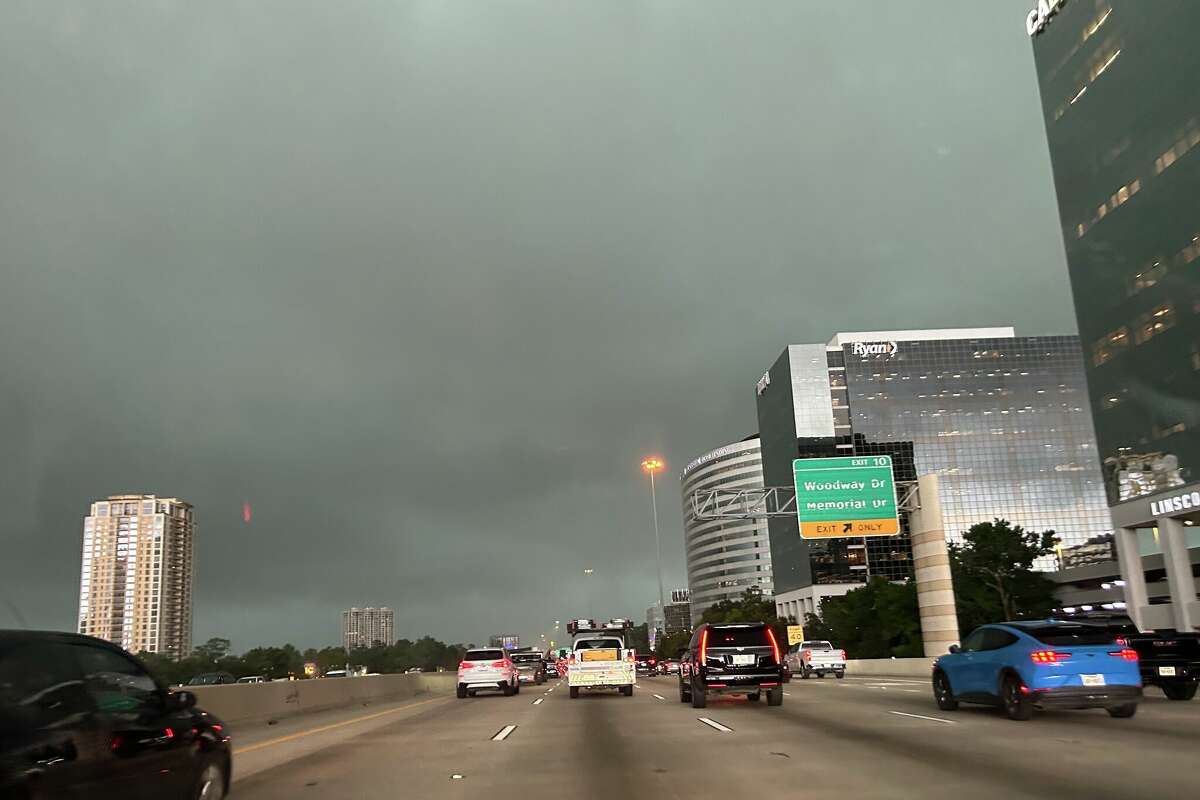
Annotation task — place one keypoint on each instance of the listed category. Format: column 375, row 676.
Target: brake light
column 1121, row 640
column 703, row 646
column 843, row 652
column 464, row 665
column 1048, row 657
column 630, row 655
column 806, row 654
column 503, row 663
column 1126, row 653
column 571, row 658
column 774, row 644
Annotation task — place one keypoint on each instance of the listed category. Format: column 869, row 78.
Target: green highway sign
column 849, row 496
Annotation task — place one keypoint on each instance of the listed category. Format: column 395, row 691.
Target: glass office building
column 1003, row 420
column 1121, row 103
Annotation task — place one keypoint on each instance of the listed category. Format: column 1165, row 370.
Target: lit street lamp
column 650, row 466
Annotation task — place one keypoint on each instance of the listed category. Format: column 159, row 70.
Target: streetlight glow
column 653, row 464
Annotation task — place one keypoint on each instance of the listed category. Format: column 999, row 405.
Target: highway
column 855, row 738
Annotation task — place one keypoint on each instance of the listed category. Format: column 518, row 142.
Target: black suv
column 80, row 717
column 732, row 658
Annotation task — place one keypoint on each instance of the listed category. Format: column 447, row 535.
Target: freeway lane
column 860, row 738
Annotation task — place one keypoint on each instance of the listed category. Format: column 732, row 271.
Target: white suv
column 487, row 668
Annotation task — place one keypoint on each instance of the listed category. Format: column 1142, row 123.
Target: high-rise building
column 724, row 557
column 135, row 585
column 1121, row 104
column 1003, row 420
column 367, row 627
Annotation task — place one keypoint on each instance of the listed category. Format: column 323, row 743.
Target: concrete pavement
column 862, row 737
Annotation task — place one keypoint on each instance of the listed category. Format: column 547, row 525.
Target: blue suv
column 1039, row 664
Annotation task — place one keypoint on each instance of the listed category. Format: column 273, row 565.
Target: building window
column 1109, row 345
column 1155, row 322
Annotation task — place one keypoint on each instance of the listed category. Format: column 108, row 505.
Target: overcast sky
column 424, row 281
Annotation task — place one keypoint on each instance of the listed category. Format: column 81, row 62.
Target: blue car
column 1021, row 666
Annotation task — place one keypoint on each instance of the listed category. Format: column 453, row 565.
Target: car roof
column 11, row 637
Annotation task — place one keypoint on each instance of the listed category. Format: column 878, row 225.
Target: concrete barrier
column 259, row 702
column 894, row 667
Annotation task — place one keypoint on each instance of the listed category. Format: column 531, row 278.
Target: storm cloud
column 422, row 282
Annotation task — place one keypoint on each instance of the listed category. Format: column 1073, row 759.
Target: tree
column 213, row 650
column 993, row 573
column 877, row 620
column 672, row 646
column 637, row 638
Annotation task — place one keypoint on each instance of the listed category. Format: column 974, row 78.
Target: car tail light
column 1121, row 640
column 764, row 683
column 630, row 656
column 704, row 646
column 843, row 652
column 1048, row 657
column 571, row 658
column 503, row 663
column 464, row 665
column 774, row 644
column 1126, row 653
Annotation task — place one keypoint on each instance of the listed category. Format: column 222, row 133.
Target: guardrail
column 260, row 702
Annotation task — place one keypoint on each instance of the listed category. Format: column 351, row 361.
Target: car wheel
column 1123, row 712
column 517, row 687
column 775, row 696
column 820, row 674
column 574, row 692
column 471, row 693
column 627, row 691
column 839, row 674
column 462, row 691
column 699, row 698
column 942, row 692
column 1179, row 691
column 805, row 672
column 210, row 785
column 1016, row 703
column 507, row 690
column 753, row 697
column 684, row 695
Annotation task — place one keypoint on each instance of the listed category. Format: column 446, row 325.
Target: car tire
column 211, row 782
column 1123, row 712
column 753, row 697
column 839, row 674
column 1017, row 705
column 517, row 687
column 574, row 692
column 507, row 690
column 684, row 695
column 805, row 673
column 775, row 696
column 471, row 693
column 699, row 698
column 943, row 695
column 627, row 691
column 820, row 674
column 1179, row 691
column 462, row 691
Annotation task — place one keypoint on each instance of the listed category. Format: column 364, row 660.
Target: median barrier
column 261, row 702
column 893, row 667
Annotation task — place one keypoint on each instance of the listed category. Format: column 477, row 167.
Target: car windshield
column 1065, row 635
column 804, row 341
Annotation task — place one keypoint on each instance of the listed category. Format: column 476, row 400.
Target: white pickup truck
column 816, row 657
column 599, row 659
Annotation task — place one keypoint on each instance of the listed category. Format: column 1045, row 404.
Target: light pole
column 652, row 465
column 587, row 572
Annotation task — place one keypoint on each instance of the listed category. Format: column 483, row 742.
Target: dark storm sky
column 423, row 281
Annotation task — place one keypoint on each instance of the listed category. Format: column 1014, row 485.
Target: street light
column 591, row 600
column 651, row 465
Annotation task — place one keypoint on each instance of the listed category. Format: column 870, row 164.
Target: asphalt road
column 854, row 738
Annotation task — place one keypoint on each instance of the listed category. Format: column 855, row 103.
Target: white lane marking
column 714, row 724
column 504, row 732
column 919, row 716
column 456, row 777
column 539, row 701
column 911, row 691
column 787, row 694
column 658, row 697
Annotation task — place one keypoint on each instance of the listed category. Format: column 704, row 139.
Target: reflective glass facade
column 1121, row 103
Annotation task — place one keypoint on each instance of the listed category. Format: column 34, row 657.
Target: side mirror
column 178, row 701
column 955, row 648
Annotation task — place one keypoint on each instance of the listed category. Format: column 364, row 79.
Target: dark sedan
column 80, row 717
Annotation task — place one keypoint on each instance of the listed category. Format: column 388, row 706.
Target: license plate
column 1168, row 671
column 1092, row 680
column 741, row 661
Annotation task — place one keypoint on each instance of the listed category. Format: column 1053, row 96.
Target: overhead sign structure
column 849, row 496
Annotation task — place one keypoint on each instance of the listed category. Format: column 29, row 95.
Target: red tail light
column 1121, row 640
column 1126, row 653
column 1048, row 657
column 806, row 654
column 703, row 645
column 464, row 665
column 571, row 658
column 843, row 655
column 503, row 663
column 774, row 644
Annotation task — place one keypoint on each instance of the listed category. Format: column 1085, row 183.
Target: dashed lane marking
column 538, row 702
column 503, row 733
column 715, row 725
column 920, row 716
column 658, row 697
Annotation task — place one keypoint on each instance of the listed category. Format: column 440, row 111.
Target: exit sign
column 853, row 496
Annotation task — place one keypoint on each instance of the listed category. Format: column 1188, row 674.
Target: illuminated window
column 1109, row 345
column 1155, row 322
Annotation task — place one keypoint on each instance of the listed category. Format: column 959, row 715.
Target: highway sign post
column 849, row 496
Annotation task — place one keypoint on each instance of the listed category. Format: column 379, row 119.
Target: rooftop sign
column 1039, row 17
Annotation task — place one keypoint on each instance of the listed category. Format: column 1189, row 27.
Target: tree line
column 215, row 655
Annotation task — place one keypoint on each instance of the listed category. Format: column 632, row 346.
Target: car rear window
column 484, row 655
column 738, row 637
column 526, row 657
column 1065, row 635
column 816, row 645
column 598, row 644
